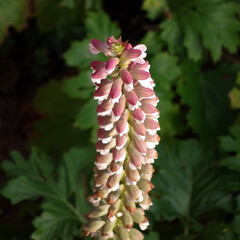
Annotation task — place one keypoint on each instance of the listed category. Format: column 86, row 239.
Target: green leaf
column 154, row 8
column 12, row 14
column 79, row 86
column 217, row 230
column 165, row 71
column 63, row 17
column 231, row 144
column 80, row 56
column 152, row 40
column 189, row 183
column 100, row 26
column 61, row 111
column 86, row 117
column 56, row 222
column 78, row 163
column 39, row 165
column 68, row 3
column 203, row 23
column 22, row 188
column 236, row 224
column 152, row 236
column 206, row 95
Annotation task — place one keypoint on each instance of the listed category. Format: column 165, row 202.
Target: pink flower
column 128, row 125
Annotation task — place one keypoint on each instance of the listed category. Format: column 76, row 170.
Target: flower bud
column 127, row 135
column 107, row 229
column 91, row 227
column 145, row 185
column 135, row 234
column 128, row 203
column 99, row 211
column 114, row 209
column 122, row 233
column 139, row 215
column 133, row 191
column 127, row 219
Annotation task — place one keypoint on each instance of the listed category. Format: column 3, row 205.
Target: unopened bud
column 133, row 191
column 99, row 211
column 107, row 229
column 128, row 203
column 127, row 220
column 132, row 174
column 113, row 209
column 122, row 233
column 135, row 234
column 101, row 178
column 113, row 196
column 114, row 180
column 92, row 227
column 145, row 185
column 147, row 171
column 138, row 216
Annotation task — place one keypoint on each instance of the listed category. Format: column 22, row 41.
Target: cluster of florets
column 128, row 125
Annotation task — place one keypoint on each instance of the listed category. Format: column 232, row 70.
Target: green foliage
column 165, row 71
column 63, row 190
column 207, row 98
column 182, row 191
column 197, row 177
column 199, row 24
column 12, row 14
column 53, row 103
column 153, row 7
column 231, row 144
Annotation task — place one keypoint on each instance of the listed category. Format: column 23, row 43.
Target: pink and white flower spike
column 127, row 135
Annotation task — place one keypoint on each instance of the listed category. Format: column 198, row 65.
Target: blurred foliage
column 193, row 49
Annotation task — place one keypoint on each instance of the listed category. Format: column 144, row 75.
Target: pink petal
column 138, row 114
column 122, row 122
column 151, row 124
column 143, row 92
column 135, row 157
column 149, row 108
column 140, row 74
column 138, row 66
column 93, row 50
column 116, row 89
column 139, row 128
column 99, row 74
column 111, row 63
column 97, row 65
column 121, row 140
column 152, row 138
column 101, row 146
column 100, row 46
column 118, row 154
column 152, row 154
column 105, row 106
column 131, row 53
column 101, row 133
column 125, row 76
column 103, row 90
column 152, row 101
column 141, row 47
column 119, row 107
column 139, row 144
column 131, row 97
column 104, row 120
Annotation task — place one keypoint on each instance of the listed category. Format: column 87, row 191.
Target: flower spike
column 127, row 135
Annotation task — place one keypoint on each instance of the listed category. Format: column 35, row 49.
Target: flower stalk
column 128, row 125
